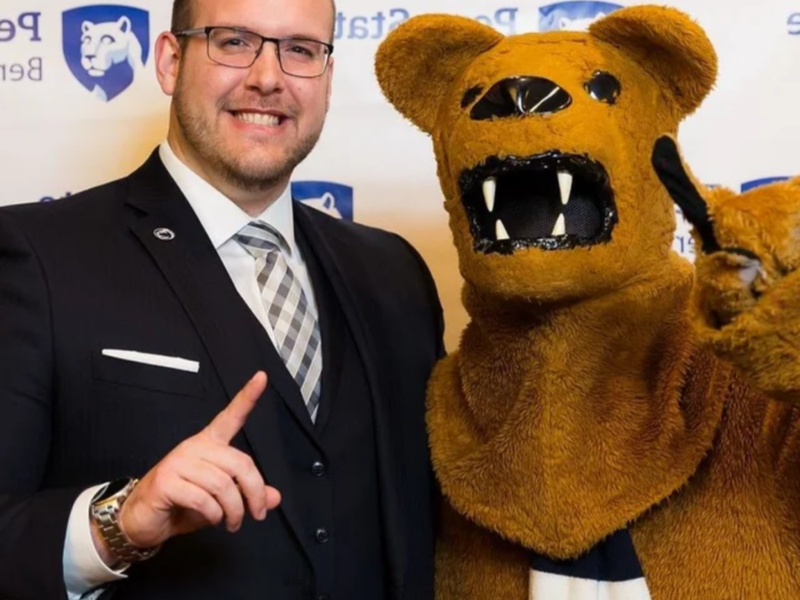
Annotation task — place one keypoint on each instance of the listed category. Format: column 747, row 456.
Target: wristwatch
column 105, row 513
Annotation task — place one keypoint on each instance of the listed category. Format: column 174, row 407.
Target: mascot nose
column 519, row 97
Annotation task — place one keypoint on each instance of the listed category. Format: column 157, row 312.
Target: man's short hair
column 182, row 15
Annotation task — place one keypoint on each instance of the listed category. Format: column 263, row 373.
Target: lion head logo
column 573, row 15
column 334, row 199
column 326, row 204
column 106, row 44
column 106, row 47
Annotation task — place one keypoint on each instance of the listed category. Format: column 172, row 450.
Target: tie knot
column 259, row 238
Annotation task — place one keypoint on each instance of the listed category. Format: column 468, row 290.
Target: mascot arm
column 746, row 300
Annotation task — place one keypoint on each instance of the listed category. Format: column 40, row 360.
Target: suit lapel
column 338, row 260
column 229, row 331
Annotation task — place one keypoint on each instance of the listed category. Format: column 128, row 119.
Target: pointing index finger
column 671, row 171
column 230, row 421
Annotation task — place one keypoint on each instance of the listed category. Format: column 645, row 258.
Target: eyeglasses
column 239, row 48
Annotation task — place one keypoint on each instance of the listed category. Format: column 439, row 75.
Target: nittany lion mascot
column 617, row 423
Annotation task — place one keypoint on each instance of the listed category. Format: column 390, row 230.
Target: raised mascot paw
column 747, row 289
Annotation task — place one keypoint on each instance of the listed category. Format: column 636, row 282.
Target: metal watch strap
column 106, row 516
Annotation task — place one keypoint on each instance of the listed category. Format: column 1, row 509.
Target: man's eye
column 302, row 50
column 235, row 43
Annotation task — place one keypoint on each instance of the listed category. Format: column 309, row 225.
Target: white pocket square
column 157, row 360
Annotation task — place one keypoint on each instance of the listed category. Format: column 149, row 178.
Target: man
column 132, row 313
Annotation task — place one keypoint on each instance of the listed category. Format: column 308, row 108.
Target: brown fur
column 611, row 385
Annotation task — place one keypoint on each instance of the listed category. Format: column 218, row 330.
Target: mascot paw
column 747, row 290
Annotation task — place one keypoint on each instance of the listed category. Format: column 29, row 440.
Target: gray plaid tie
column 293, row 321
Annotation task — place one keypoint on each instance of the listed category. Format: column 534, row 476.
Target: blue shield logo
column 749, row 185
column 334, row 199
column 573, row 16
column 106, row 47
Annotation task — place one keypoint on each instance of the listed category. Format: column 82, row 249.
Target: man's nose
column 521, row 96
column 265, row 73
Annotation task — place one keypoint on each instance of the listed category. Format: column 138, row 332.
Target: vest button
column 318, row 469
column 322, row 535
column 324, row 597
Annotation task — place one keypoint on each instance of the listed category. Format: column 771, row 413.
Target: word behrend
column 22, row 72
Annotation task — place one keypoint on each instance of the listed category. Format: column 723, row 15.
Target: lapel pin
column 164, row 234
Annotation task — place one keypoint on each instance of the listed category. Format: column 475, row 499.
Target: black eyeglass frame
column 264, row 39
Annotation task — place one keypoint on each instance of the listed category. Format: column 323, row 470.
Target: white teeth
column 489, row 189
column 565, row 185
column 500, row 231
column 560, row 227
column 258, row 119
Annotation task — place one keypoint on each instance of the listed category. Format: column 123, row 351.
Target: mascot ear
column 420, row 59
column 669, row 45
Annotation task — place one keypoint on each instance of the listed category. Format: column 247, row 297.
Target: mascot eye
column 470, row 95
column 604, row 87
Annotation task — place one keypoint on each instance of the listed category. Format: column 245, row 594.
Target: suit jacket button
column 322, row 535
column 318, row 469
column 324, row 597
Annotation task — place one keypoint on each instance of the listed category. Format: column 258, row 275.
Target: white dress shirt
column 84, row 570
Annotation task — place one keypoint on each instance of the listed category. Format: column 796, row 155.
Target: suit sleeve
column 33, row 521
column 433, row 295
column 438, row 319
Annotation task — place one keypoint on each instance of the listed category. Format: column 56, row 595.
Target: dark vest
column 334, row 465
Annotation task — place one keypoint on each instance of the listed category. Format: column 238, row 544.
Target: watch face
column 115, row 487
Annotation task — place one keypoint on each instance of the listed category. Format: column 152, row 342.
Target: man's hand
column 202, row 482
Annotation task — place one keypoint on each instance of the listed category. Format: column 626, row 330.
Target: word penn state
column 21, row 29
column 378, row 25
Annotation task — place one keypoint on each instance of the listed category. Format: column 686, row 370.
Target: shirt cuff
column 84, row 570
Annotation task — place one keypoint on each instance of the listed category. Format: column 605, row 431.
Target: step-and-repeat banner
column 65, row 127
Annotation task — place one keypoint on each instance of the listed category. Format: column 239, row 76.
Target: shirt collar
column 218, row 215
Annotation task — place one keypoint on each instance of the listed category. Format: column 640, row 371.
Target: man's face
column 252, row 126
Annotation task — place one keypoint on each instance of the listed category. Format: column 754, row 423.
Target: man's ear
column 669, row 46
column 329, row 75
column 167, row 58
column 419, row 60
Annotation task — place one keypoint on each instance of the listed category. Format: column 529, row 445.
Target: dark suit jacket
column 86, row 274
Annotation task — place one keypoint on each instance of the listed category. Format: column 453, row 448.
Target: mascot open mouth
column 552, row 201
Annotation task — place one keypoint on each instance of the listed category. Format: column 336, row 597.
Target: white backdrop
column 62, row 130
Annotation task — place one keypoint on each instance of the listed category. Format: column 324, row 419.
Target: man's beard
column 239, row 174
